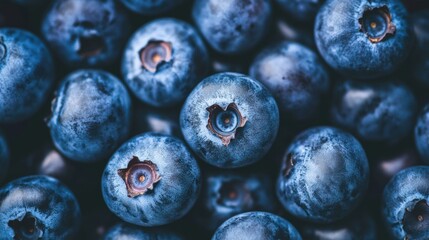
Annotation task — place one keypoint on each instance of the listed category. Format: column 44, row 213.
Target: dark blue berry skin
column 131, row 232
column 4, row 156
column 26, row 74
column 91, row 115
column 232, row 26
column 324, row 175
column 299, row 10
column 170, row 80
column 225, row 194
column 38, row 207
column 172, row 196
column 420, row 57
column 295, row 76
column 405, row 204
column 86, row 33
column 247, row 144
column 421, row 134
column 348, row 43
column 152, row 7
column 256, row 225
column 372, row 110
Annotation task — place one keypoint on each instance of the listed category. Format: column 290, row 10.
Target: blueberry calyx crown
column 233, row 193
column 416, row 220
column 89, row 43
column 377, row 24
column 289, row 164
column 26, row 227
column 139, row 176
column 224, row 122
column 154, row 54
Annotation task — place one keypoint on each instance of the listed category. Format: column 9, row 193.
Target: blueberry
column 323, row 176
column 225, row 194
column 230, row 120
column 151, row 180
column 127, row 231
column 152, row 7
column 421, row 134
column 4, row 156
column 364, row 39
column 373, row 111
column 91, row 115
column 86, row 33
column 38, row 207
column 232, row 26
column 295, row 76
column 300, row 10
column 163, row 61
column 405, row 204
column 26, row 74
column 256, row 225
column 421, row 56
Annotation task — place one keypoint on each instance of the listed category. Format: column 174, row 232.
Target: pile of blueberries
column 214, row 119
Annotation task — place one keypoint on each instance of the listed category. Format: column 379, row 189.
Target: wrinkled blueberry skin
column 26, row 74
column 232, row 26
column 131, row 232
column 173, row 80
column 324, row 175
column 295, row 76
column 86, row 33
column 421, row 53
column 403, row 191
column 91, row 115
column 299, row 10
column 255, row 103
column 421, row 134
column 256, row 225
column 152, row 7
column 4, row 156
column 46, row 199
column 171, row 198
column 348, row 50
column 372, row 110
column 251, row 192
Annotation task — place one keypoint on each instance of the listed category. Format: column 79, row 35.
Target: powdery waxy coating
column 86, row 33
column 4, row 156
column 53, row 205
column 172, row 80
column 404, row 191
column 255, row 103
column 420, row 56
column 347, row 49
column 152, row 7
column 301, row 10
column 373, row 111
column 256, row 226
column 295, row 76
column 172, row 196
column 421, row 134
column 232, row 26
column 324, row 175
column 130, row 232
column 26, row 74
column 91, row 115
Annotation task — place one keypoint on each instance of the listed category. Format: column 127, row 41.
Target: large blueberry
column 232, row 26
column 300, row 10
column 420, row 61
column 86, row 33
column 406, row 204
column 363, row 38
column 151, row 180
column 163, row 61
column 376, row 112
column 295, row 76
column 152, row 7
column 129, row 232
column 421, row 134
column 230, row 120
column 324, row 175
column 4, row 156
column 26, row 74
column 91, row 115
column 38, row 207
column 255, row 226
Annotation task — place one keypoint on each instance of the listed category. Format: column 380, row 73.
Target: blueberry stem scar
column 154, row 54
column 370, row 21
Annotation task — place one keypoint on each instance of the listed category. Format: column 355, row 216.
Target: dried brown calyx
column 88, row 46
column 139, row 176
column 154, row 54
column 27, row 227
column 416, row 220
column 377, row 24
column 224, row 122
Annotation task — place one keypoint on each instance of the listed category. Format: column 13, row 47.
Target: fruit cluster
column 221, row 119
